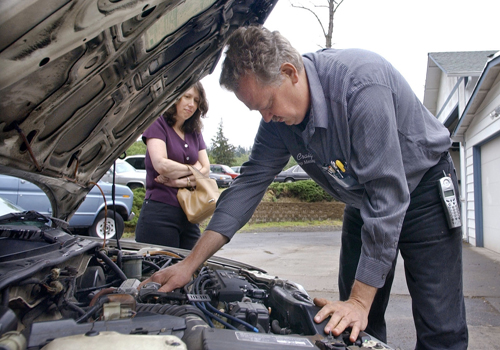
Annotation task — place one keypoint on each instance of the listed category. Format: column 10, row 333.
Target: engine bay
column 61, row 291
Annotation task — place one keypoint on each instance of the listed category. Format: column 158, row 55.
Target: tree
column 222, row 152
column 240, row 151
column 313, row 7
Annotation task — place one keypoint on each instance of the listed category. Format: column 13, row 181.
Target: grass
column 287, row 225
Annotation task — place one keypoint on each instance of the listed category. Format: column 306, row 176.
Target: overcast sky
column 403, row 32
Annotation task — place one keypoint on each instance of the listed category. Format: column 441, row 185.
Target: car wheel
column 289, row 180
column 97, row 228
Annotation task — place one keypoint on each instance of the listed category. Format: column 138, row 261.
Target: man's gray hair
column 258, row 51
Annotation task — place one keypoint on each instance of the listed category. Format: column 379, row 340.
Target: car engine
column 61, row 291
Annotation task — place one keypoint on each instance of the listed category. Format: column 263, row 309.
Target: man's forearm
column 209, row 243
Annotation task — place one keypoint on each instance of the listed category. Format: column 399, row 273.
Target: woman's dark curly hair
column 194, row 123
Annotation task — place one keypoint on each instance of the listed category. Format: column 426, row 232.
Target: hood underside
column 80, row 80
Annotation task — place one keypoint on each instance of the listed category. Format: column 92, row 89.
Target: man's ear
column 290, row 71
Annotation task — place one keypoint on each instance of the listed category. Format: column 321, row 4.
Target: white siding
column 469, row 229
column 446, row 86
column 490, row 181
column 481, row 128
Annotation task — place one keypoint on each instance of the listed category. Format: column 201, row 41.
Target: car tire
column 288, row 180
column 97, row 228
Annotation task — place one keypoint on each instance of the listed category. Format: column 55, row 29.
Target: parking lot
column 311, row 259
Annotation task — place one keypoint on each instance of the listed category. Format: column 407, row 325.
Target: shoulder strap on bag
column 197, row 174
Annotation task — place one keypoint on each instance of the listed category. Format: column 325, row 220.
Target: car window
column 123, row 167
column 298, row 169
column 137, row 162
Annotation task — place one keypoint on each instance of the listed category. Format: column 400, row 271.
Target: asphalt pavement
column 311, row 259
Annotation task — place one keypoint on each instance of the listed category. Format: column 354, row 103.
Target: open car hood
column 80, row 80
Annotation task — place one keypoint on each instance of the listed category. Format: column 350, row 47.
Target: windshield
column 7, row 207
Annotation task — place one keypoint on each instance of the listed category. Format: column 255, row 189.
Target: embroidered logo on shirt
column 304, row 158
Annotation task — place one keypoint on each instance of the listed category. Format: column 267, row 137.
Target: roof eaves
column 491, row 63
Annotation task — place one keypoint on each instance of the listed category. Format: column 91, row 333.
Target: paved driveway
column 311, row 259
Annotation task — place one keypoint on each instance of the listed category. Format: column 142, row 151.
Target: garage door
column 490, row 181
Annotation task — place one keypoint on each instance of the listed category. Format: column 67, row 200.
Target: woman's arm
column 166, row 167
column 203, row 163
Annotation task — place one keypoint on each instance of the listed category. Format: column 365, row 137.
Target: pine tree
column 222, row 152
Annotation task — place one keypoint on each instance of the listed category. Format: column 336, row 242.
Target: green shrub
column 139, row 194
column 307, row 191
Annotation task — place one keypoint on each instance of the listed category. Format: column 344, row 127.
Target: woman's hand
column 183, row 182
column 162, row 179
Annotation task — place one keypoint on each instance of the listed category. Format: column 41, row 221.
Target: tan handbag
column 199, row 202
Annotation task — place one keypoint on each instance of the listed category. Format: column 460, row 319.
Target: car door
column 24, row 194
column 9, row 188
column 30, row 196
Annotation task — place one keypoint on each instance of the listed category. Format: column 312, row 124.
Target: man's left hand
column 352, row 313
column 344, row 314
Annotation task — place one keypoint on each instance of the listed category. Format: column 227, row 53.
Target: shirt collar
column 318, row 110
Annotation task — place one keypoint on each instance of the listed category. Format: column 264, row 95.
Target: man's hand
column 352, row 313
column 179, row 275
column 344, row 314
column 170, row 278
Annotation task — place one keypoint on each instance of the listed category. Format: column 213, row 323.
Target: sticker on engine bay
column 274, row 339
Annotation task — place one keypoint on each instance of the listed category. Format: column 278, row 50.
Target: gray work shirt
column 364, row 115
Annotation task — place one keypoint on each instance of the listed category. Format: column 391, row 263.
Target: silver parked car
column 236, row 169
column 126, row 175
column 292, row 174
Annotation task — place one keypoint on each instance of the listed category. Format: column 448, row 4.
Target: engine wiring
column 97, row 293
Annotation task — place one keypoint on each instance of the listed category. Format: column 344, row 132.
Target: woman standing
column 173, row 141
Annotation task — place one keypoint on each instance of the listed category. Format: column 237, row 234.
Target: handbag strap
column 197, row 174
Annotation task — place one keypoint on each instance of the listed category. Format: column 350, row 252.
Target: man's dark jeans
column 432, row 256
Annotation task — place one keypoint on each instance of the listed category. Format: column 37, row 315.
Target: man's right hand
column 180, row 274
column 170, row 278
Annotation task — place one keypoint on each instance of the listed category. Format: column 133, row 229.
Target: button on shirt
column 364, row 114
